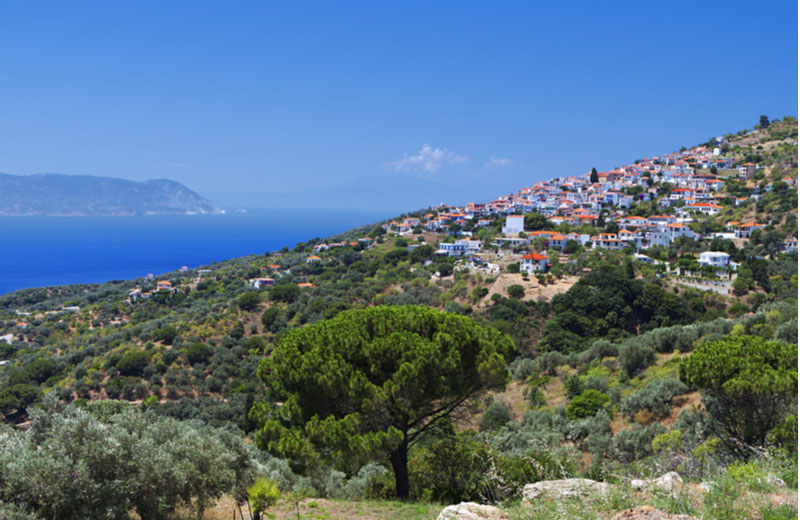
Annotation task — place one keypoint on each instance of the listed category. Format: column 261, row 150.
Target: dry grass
column 325, row 509
column 533, row 289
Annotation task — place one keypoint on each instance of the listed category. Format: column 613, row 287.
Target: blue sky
column 239, row 99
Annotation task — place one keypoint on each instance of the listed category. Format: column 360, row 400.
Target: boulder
column 648, row 513
column 471, row 511
column 670, row 482
column 570, row 487
column 773, row 480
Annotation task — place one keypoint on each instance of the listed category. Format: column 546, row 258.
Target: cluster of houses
column 578, row 200
column 162, row 287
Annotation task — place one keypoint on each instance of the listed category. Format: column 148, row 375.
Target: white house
column 515, row 224
column 459, row 248
column 533, row 262
column 715, row 259
column 703, row 207
column 258, row 283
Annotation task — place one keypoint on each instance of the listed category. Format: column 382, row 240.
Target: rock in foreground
column 472, row 511
column 571, row 487
column 671, row 482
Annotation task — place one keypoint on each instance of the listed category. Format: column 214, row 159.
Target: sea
column 46, row 251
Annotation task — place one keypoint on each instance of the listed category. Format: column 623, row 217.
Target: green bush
column 495, row 416
column 634, row 358
column 249, row 301
column 516, row 291
column 655, row 396
column 262, row 494
column 198, row 352
column 587, row 404
column 166, row 334
column 73, row 465
column 133, row 362
column 450, row 470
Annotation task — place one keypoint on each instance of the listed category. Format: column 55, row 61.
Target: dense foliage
column 375, row 380
column 749, row 386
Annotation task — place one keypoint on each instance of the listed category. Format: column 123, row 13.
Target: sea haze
column 44, row 251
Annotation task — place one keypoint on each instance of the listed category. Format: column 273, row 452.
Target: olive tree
column 370, row 383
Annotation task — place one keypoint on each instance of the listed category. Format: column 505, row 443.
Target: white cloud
column 498, row 161
column 427, row 160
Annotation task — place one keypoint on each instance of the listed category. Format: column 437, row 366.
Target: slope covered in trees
column 603, row 376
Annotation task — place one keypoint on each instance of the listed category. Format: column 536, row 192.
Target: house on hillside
column 515, row 224
column 705, row 208
column 534, row 262
column 459, row 248
column 258, row 283
column 716, row 259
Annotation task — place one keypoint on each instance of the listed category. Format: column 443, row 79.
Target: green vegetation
column 375, row 381
column 749, row 387
column 379, row 370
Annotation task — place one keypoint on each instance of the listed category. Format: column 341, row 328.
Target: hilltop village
column 644, row 207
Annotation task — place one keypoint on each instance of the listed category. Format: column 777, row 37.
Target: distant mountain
column 54, row 194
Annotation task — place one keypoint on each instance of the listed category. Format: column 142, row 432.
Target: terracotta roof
column 535, row 256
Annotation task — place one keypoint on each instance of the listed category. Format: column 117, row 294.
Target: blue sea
column 44, row 251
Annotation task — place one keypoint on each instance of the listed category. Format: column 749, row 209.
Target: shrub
column 495, row 416
column 166, row 335
column 132, row 363
column 249, row 301
column 262, row 494
column 637, row 442
column 634, row 358
column 129, row 461
column 170, row 355
column 198, row 352
column 586, row 405
column 516, row 291
column 522, row 368
column 655, row 397
column 284, row 292
column 573, row 386
column 451, row 470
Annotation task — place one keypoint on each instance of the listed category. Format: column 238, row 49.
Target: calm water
column 42, row 251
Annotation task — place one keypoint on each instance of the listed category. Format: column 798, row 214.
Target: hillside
column 85, row 195
column 602, row 310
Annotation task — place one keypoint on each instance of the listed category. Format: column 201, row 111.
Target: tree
column 749, row 385
column 763, row 122
column 284, row 292
column 516, row 291
column 249, row 301
column 262, row 494
column 536, row 221
column 593, row 177
column 586, row 405
column 372, row 382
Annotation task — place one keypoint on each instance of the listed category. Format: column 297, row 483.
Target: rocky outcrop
column 648, row 513
column 670, row 482
column 472, row 511
column 571, row 487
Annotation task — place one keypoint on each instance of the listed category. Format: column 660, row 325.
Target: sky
column 329, row 103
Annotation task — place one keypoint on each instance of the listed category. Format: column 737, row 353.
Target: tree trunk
column 399, row 458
